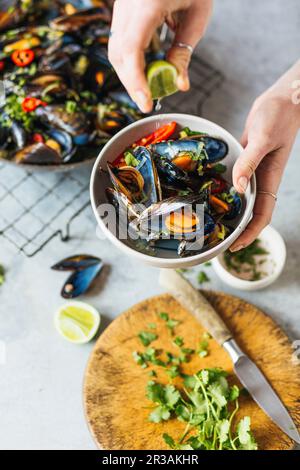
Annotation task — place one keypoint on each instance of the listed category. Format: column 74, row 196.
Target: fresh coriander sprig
column 208, row 410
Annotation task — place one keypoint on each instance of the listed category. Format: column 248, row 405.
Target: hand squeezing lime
column 162, row 79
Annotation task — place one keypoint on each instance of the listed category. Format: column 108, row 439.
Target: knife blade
column 248, row 373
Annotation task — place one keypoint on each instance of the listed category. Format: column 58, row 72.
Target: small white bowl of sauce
column 255, row 267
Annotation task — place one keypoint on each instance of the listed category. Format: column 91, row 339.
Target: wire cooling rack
column 36, row 207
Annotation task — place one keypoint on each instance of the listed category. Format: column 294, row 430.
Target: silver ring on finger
column 183, row 45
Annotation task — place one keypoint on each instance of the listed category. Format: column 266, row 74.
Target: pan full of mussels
column 63, row 100
column 161, row 190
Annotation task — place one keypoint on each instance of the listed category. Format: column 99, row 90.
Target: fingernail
column 143, row 102
column 233, row 249
column 243, row 183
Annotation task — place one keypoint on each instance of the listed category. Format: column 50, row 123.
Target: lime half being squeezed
column 162, row 79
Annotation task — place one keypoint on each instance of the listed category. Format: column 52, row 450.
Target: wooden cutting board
column 114, row 389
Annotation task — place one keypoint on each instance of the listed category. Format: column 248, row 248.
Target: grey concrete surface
column 41, row 378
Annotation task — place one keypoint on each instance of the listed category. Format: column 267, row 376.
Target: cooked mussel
column 215, row 149
column 49, row 83
column 58, row 148
column 206, row 149
column 177, row 216
column 171, row 174
column 99, row 75
column 76, row 263
column 127, row 180
column 37, row 154
column 113, row 117
column 227, row 204
column 76, row 123
column 151, row 190
column 81, row 18
column 172, row 148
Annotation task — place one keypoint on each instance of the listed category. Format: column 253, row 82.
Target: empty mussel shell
column 76, row 263
column 79, row 282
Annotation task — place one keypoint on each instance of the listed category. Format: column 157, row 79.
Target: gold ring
column 268, row 193
column 184, row 46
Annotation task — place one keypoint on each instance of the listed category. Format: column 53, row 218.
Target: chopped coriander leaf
column 152, row 373
column 182, row 270
column 147, row 337
column 139, row 359
column 152, row 326
column 163, row 316
column 130, row 159
column 203, row 353
column 207, row 264
column 173, row 372
column 178, row 341
column 202, row 277
column 171, row 359
column 169, row 440
column 2, row 275
column 171, row 323
column 71, row 106
column 188, row 351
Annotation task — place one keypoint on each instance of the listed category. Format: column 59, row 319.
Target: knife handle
column 191, row 299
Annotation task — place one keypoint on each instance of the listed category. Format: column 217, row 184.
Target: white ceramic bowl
column 273, row 242
column 135, row 131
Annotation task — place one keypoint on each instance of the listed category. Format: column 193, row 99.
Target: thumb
column 180, row 57
column 190, row 27
column 246, row 165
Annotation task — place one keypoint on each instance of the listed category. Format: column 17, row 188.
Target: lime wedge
column 77, row 322
column 162, row 77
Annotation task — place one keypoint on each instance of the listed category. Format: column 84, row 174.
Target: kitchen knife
column 248, row 373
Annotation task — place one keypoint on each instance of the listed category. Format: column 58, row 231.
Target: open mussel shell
column 38, row 154
column 124, row 207
column 79, row 282
column 100, row 76
column 175, row 216
column 213, row 149
column 76, row 263
column 172, row 175
column 216, row 149
column 151, row 190
column 76, row 124
column 81, row 18
column 52, row 83
column 65, row 142
column 128, row 180
column 171, row 148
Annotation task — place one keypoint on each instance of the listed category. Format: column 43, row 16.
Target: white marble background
column 41, row 379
